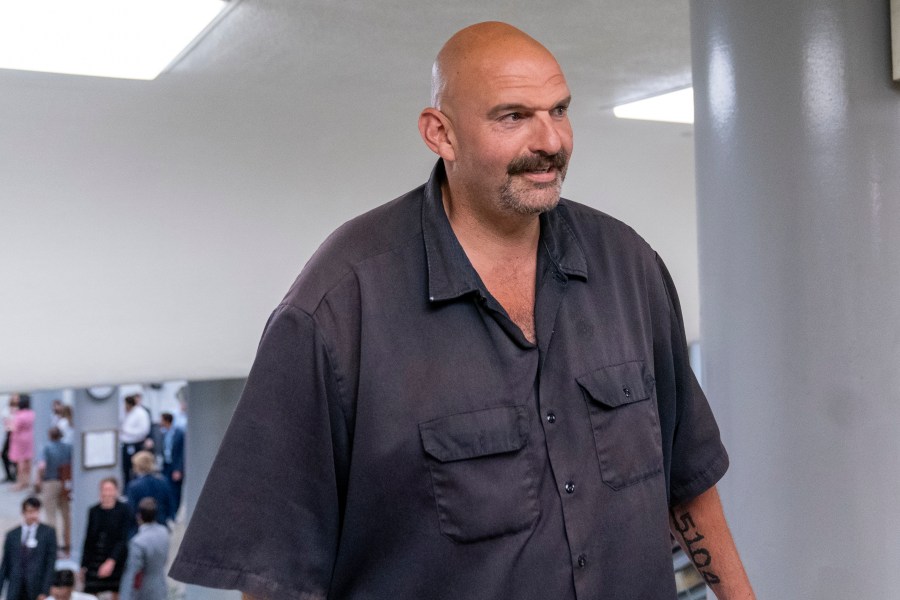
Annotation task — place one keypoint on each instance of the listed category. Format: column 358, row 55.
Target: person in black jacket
column 106, row 541
column 29, row 556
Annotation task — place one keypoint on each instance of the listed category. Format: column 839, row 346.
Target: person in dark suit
column 29, row 556
column 173, row 457
column 147, row 483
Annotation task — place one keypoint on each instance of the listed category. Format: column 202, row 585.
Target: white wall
column 164, row 265
column 148, row 227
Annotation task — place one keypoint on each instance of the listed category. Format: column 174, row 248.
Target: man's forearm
column 699, row 526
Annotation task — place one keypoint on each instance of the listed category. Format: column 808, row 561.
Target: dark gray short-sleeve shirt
column 399, row 438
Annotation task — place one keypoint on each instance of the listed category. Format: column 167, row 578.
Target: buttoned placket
column 559, row 258
column 549, row 299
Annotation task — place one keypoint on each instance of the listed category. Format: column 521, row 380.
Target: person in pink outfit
column 21, row 443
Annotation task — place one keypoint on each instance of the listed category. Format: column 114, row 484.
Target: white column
column 798, row 183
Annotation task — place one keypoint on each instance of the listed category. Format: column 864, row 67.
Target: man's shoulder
column 138, row 540
column 386, row 228
column 139, row 484
column 154, row 533
column 58, row 447
column 593, row 218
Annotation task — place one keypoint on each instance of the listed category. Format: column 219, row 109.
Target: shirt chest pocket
column 482, row 475
column 625, row 422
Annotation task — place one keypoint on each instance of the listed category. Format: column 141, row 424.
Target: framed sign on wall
column 98, row 449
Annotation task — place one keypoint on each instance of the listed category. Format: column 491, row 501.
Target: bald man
column 477, row 391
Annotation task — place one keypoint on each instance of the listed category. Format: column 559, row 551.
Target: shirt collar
column 451, row 275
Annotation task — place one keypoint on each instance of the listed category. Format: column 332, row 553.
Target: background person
column 21, row 444
column 172, row 450
column 55, row 412
column 63, row 587
column 29, row 556
column 64, row 422
column 147, row 483
column 54, row 474
column 133, row 432
column 9, row 466
column 106, row 541
column 145, row 571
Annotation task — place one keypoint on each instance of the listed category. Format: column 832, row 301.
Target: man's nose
column 547, row 134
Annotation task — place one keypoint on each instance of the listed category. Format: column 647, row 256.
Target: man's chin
column 533, row 207
column 539, row 198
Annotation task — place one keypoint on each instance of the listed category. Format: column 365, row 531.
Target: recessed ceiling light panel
column 130, row 39
column 674, row 107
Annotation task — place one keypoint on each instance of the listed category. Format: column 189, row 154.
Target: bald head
column 470, row 54
column 499, row 121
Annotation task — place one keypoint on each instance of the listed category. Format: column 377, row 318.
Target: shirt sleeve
column 697, row 458
column 267, row 520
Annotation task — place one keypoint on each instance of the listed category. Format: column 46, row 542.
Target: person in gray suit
column 29, row 556
column 145, row 571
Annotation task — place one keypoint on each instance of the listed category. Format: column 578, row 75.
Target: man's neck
column 503, row 251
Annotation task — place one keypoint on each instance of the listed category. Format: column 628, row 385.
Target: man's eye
column 513, row 117
column 560, row 111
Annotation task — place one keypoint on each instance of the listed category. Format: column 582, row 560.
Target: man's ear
column 436, row 131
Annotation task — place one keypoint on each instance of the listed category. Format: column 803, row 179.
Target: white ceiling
column 149, row 227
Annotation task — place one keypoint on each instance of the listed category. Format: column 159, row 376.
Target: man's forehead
column 527, row 87
column 533, row 69
column 529, row 80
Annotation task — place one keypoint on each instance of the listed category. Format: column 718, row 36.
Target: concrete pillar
column 89, row 415
column 798, row 146
column 210, row 406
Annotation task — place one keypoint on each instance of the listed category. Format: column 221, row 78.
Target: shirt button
column 570, row 487
column 582, row 560
column 627, row 391
column 551, row 418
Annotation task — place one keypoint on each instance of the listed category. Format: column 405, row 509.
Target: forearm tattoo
column 701, row 557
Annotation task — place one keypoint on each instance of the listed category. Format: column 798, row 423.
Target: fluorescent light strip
column 129, row 39
column 674, row 107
